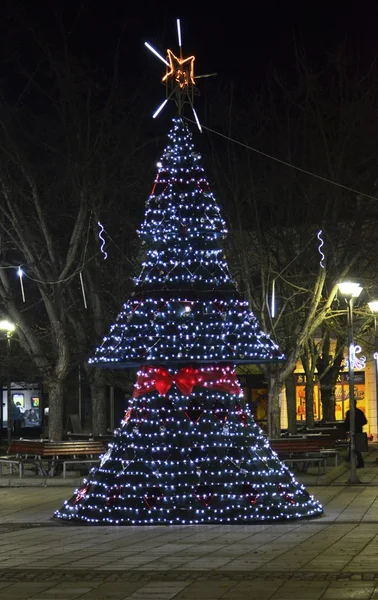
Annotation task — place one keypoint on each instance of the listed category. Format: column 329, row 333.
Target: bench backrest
column 297, row 445
column 48, row 448
column 336, row 433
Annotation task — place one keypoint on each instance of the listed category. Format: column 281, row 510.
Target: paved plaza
column 332, row 557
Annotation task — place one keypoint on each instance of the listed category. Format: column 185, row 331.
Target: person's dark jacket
column 16, row 414
column 360, row 420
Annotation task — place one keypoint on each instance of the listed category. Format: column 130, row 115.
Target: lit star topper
column 179, row 78
column 181, row 71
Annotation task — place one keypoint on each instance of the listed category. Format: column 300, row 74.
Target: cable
column 285, row 163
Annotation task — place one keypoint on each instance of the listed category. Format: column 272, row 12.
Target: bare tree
column 276, row 211
column 68, row 146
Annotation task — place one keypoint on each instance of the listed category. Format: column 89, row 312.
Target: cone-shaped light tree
column 187, row 449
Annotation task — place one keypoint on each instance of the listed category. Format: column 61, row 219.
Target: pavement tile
column 330, row 557
column 112, row 591
column 23, row 590
column 64, row 593
column 204, row 589
column 360, row 592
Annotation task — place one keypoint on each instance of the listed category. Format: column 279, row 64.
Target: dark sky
column 238, row 39
column 242, row 38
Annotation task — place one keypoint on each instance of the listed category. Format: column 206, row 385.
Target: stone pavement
column 332, row 557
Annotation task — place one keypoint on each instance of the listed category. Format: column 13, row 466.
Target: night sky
column 241, row 45
column 238, row 43
column 230, row 39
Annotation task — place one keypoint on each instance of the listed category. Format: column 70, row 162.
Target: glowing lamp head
column 373, row 306
column 349, row 289
column 7, row 326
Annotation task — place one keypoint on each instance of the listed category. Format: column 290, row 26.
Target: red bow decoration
column 222, row 378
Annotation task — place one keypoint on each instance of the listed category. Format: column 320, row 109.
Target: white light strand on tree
column 188, row 449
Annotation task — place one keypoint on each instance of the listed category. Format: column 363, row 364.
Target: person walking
column 360, row 421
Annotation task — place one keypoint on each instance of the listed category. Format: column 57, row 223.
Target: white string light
column 20, row 274
column 273, row 302
column 83, row 290
column 100, row 235
column 319, row 236
column 187, row 450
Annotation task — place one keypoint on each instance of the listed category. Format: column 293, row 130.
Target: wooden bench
column 72, row 452
column 57, row 453
column 20, row 457
column 314, row 449
column 337, row 433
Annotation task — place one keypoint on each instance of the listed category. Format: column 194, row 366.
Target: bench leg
column 52, row 467
column 40, row 468
column 64, row 470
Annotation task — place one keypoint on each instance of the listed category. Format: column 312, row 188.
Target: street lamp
column 9, row 328
column 351, row 290
column 374, row 309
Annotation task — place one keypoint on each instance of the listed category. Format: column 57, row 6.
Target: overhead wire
column 286, row 163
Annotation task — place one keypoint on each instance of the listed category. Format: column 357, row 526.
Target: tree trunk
column 328, row 369
column 327, row 391
column 98, row 394
column 309, row 392
column 290, row 403
column 55, row 423
column 274, row 416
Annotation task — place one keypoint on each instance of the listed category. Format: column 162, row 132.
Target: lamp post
column 351, row 290
column 374, row 309
column 9, row 328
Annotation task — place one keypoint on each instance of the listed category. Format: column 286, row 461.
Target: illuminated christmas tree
column 187, row 450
